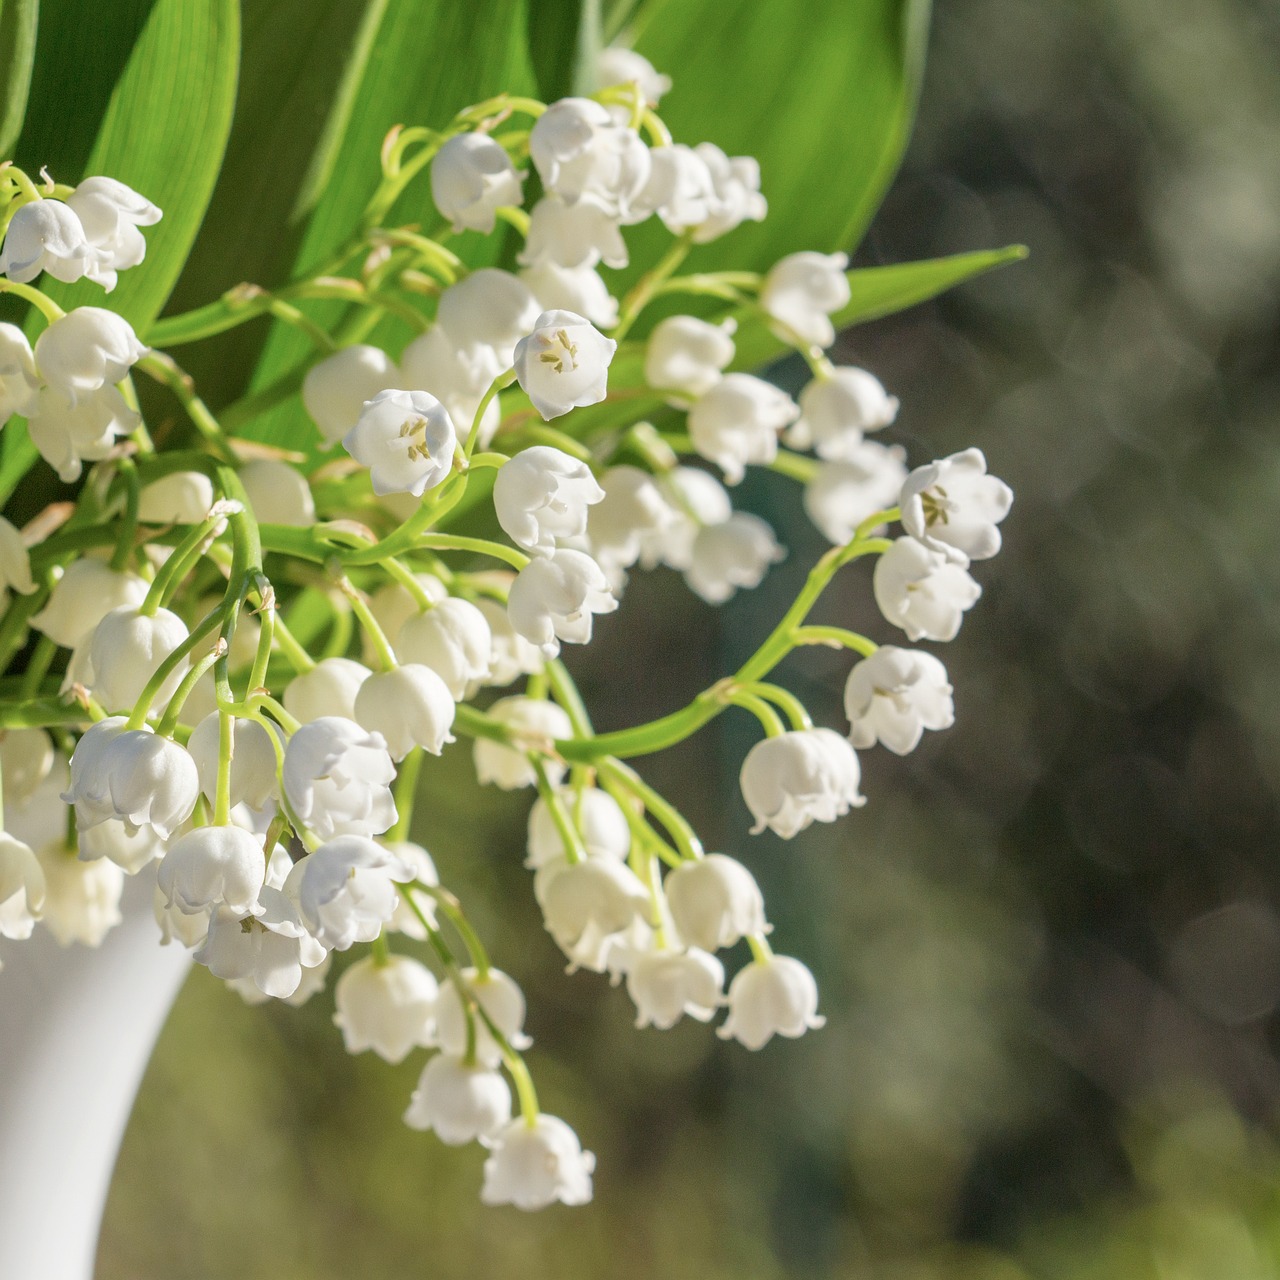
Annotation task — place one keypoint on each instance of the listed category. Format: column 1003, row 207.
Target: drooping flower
column 111, row 213
column 409, row 706
column 26, row 760
column 680, row 189
column 541, row 498
column 953, row 507
column 278, row 492
column 581, row 151
column 15, row 561
column 554, row 598
column 406, row 439
column 181, row 497
column 804, row 776
column 272, row 951
column 736, row 423
column 433, row 364
column 126, row 650
column 735, row 553
column 86, row 350
column 844, row 493
column 214, row 867
column 19, row 381
column 67, row 434
column 587, row 904
column 418, row 861
column 922, row 591
column 335, row 390
column 532, row 1165
column 87, row 591
column 503, row 1003
column 836, row 409
column 510, row 654
column 776, row 996
column 616, row 65
column 471, row 178
column 633, row 509
column 82, row 899
column 46, row 235
column 484, row 316
column 736, row 183
column 563, row 363
column 453, row 638
column 715, row 902
column 328, row 689
column 667, row 985
column 387, row 1006
column 577, row 289
column 688, row 355
column 802, row 290
column 346, row 890
column 129, row 850
column 22, row 888
column 595, row 814
column 337, row 778
column 894, row 695
column 694, row 498
column 533, row 724
column 583, row 234
column 253, row 761
column 460, row 1103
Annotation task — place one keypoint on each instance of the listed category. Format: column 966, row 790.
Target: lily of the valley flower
column 46, row 235
column 335, row 390
column 471, row 178
column 346, row 890
column 126, row 649
column 554, row 598
column 214, row 867
column 688, row 355
column 337, row 778
column 533, row 723
column 844, row 493
column 87, row 591
column 503, row 1003
column 541, row 497
column 715, row 902
column 807, row 775
column 253, row 761
column 802, row 290
column 734, row 553
column 532, row 1165
column 328, row 689
column 409, row 706
column 386, row 1006
column 459, row 1102
column 893, row 696
column 953, row 507
column 563, row 363
column 87, row 349
column 736, row 423
column 667, row 985
column 111, row 213
column 836, row 409
column 19, row 381
column 406, row 439
column 595, row 814
column 452, row 638
column 776, row 996
column 922, row 591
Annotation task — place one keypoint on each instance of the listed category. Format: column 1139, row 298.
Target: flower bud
column 541, row 497
column 385, row 1006
column 87, row 591
column 460, row 1103
column 894, row 695
column 618, row 66
column 253, row 760
column 346, row 890
column 534, row 724
column 453, row 639
column 126, row 650
column 807, row 775
column 774, row 996
column 714, row 902
column 694, row 498
column 553, row 598
column 278, row 493
column 802, row 290
column 82, row 899
column 836, row 409
column 18, row 378
column 953, row 507
column 337, row 778
column 87, row 349
column 688, row 355
column 500, row 998
column 213, row 867
column 335, row 390
column 471, row 178
column 534, row 1165
column 484, row 316
column 409, row 707
column 46, row 235
column 736, row 423
column 563, row 363
column 632, row 511
column 26, row 760
column 680, row 189
column 22, row 888
column 843, row 494
column 328, row 689
column 666, row 985
column 735, row 553
column 406, row 439
column 598, row 818
column 181, row 497
column 922, row 591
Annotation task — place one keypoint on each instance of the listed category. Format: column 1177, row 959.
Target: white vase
column 77, row 1026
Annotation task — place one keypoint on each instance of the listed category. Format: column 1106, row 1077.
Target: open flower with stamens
column 406, row 439
column 564, row 363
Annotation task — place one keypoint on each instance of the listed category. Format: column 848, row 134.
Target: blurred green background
column 1048, row 948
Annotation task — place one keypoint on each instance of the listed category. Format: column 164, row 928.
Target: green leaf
column 425, row 64
column 17, row 53
column 142, row 91
column 564, row 42
column 821, row 93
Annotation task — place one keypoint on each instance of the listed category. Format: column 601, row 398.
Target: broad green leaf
column 17, row 53
column 821, row 93
column 142, row 91
column 425, row 64
column 564, row 42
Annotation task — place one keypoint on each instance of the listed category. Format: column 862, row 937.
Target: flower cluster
column 240, row 658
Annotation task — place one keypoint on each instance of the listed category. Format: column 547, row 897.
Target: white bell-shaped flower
column 19, row 381
column 46, row 235
column 406, row 439
column 410, row 706
column 111, row 213
column 632, row 510
column 387, row 1006
column 328, row 689
column 471, row 178
column 500, row 998
column 484, row 315
column 807, row 775
column 776, row 996
column 87, row 591
column 82, row 899
column 177, row 926
column 843, row 494
column 454, row 639
column 26, row 760
column 22, row 888
column 541, row 497
column 41, row 817
column 337, row 778
column 271, row 950
column 534, row 724
column 563, row 363
column 133, row 775
column 616, row 65
column 953, row 507
column 836, row 409
column 87, row 349
column 278, row 492
column 736, row 423
column 735, row 553
column 694, row 498
column 214, row 867
column 554, row 598
column 580, row 150
column 311, row 982
column 459, row 1103
column 129, row 850
column 715, row 902
column 577, row 289
column 253, row 761
column 418, row 861
column 802, row 290
column 595, row 814
column 393, row 604
column 589, row 902
column 181, row 497
column 666, row 985
column 346, row 890
column 922, row 591
column 15, row 561
column 534, row 1165
column 335, row 390
column 582, row 234
column 431, row 363
column 510, row 654
column 736, row 183
column 687, row 355
column 127, row 648
column 67, row 434
column 681, row 189
column 894, row 695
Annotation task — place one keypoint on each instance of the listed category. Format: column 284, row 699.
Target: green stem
column 473, row 436
column 677, row 826
column 768, row 717
column 570, row 837
column 364, row 615
column 404, row 792
column 204, row 628
column 128, row 473
column 164, row 369
column 796, row 711
column 173, row 712
column 835, row 638
column 646, row 288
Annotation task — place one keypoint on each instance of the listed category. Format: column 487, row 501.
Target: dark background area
column 1048, row 948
